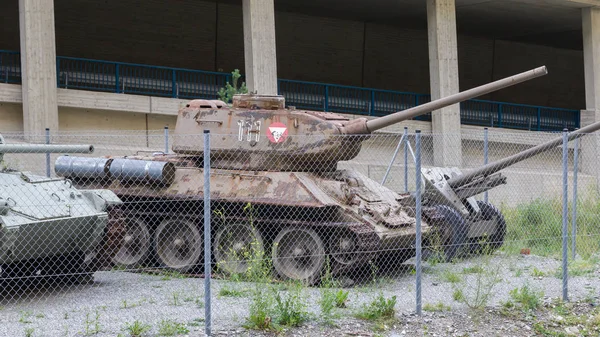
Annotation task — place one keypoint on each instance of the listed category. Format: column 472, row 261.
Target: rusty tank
column 276, row 191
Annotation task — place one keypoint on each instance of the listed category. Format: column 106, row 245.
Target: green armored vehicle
column 50, row 228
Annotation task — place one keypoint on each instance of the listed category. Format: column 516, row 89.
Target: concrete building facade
column 436, row 46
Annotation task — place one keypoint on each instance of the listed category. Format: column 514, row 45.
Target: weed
column 473, row 270
column 458, row 295
column 40, row 316
column 92, row 324
column 436, row 307
column 25, row 317
column 380, row 307
column 226, row 94
column 171, row 328
column 476, row 293
column 167, row 275
column 291, row 309
column 175, row 298
column 227, row 291
column 196, row 322
column 527, row 297
column 261, row 308
column 519, row 272
column 537, row 273
column 137, row 328
column 29, row 332
column 450, row 276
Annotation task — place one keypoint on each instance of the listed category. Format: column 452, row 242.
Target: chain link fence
column 115, row 242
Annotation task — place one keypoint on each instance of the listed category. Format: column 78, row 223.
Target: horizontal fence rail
column 118, row 77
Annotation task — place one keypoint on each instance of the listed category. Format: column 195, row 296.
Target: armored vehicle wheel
column 235, row 244
column 179, row 244
column 136, row 245
column 342, row 247
column 299, row 254
column 453, row 231
column 490, row 212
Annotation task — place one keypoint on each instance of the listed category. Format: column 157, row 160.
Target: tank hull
column 347, row 217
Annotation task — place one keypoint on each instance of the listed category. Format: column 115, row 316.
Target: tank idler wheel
column 135, row 246
column 495, row 240
column 236, row 245
column 452, row 232
column 342, row 248
column 179, row 244
column 299, row 254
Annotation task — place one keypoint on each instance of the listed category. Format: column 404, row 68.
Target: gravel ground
column 116, row 299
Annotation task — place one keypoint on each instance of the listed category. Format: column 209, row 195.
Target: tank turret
column 271, row 137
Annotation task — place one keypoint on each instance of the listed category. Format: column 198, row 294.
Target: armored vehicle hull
column 299, row 218
column 49, row 228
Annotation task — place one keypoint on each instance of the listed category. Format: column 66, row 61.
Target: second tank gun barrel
column 496, row 166
column 45, row 148
column 362, row 127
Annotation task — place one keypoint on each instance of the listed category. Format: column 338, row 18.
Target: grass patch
column 379, row 308
column 137, row 328
column 537, row 225
column 527, row 298
column 473, row 270
column 436, row 307
column 450, row 276
column 171, row 328
column 227, row 291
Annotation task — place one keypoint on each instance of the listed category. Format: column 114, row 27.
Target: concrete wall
column 309, row 48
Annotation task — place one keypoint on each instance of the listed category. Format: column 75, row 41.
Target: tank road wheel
column 299, row 254
column 452, row 232
column 342, row 248
column 235, row 244
column 490, row 212
column 135, row 246
column 179, row 244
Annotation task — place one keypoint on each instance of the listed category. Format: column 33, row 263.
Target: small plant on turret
column 226, row 94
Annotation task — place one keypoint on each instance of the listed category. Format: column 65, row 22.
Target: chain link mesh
column 113, row 241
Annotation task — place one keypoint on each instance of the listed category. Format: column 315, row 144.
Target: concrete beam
column 590, row 19
column 259, row 46
column 81, row 99
column 38, row 65
column 443, row 73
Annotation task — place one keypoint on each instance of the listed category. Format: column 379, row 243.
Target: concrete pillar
column 443, row 73
column 38, row 65
column 590, row 145
column 259, row 46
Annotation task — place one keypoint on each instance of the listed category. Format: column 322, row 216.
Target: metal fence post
column 565, row 210
column 48, row 153
column 418, row 220
column 207, row 248
column 574, row 215
column 405, row 159
column 166, row 139
column 485, row 157
column 389, row 168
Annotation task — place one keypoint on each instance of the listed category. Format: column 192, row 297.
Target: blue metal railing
column 119, row 77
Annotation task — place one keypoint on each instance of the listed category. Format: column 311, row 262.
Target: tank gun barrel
column 407, row 114
column 496, row 166
column 45, row 148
